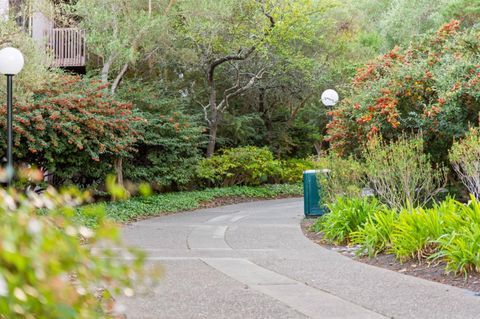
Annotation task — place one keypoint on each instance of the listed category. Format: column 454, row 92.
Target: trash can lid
column 314, row 171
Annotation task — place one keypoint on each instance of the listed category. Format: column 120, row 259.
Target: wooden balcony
column 66, row 47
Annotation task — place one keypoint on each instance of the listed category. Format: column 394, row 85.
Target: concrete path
column 252, row 261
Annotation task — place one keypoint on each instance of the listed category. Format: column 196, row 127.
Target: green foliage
column 252, row 166
column 430, row 87
column 461, row 249
column 140, row 207
column 121, row 32
column 460, row 246
column 237, row 166
column 35, row 74
column 72, row 128
column 343, row 178
column 401, row 173
column 375, row 235
column 171, row 138
column 465, row 158
column 47, row 268
column 415, row 232
column 291, row 171
column 347, row 215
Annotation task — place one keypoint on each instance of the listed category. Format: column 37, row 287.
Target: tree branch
column 237, row 90
column 119, row 78
column 237, row 57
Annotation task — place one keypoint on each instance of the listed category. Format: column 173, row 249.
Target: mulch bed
column 429, row 271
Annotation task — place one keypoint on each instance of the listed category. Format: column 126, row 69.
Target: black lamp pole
column 9, row 128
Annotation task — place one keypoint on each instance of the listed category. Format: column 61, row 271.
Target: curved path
column 251, row 260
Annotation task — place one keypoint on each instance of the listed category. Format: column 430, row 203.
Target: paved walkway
column 252, row 261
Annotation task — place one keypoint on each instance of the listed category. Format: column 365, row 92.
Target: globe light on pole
column 330, row 98
column 11, row 63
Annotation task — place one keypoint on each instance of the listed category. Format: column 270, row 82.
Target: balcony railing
column 66, row 47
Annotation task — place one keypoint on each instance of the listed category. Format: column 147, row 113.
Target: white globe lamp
column 11, row 61
column 330, row 98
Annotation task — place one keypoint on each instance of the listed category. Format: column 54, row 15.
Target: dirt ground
column 425, row 270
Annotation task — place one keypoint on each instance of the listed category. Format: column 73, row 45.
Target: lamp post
column 11, row 63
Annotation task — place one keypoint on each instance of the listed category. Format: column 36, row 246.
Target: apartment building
column 65, row 45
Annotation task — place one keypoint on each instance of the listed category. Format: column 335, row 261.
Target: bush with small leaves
column 53, row 267
column 465, row 158
column 401, row 174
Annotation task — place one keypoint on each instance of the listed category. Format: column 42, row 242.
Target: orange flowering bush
column 431, row 87
column 72, row 127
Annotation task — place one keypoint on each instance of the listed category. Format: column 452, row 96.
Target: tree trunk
column 119, row 78
column 212, row 139
column 213, row 118
column 106, row 69
column 212, row 130
column 118, row 164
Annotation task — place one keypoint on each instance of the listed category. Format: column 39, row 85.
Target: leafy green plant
column 172, row 138
column 138, row 207
column 460, row 246
column 416, row 230
column 465, row 158
column 53, row 267
column 346, row 216
column 168, row 152
column 430, row 86
column 73, row 128
column 343, row 177
column 461, row 249
column 238, row 166
column 290, row 171
column 375, row 235
column 401, row 174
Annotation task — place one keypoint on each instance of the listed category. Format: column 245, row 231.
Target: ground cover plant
column 141, row 207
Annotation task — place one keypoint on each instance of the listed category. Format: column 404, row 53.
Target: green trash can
column 311, row 196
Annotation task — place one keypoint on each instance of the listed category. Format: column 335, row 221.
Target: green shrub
column 465, row 158
column 168, row 152
column 375, row 235
column 238, row 166
column 73, row 128
column 172, row 139
column 347, row 215
column 291, row 171
column 345, row 177
column 401, row 173
column 52, row 267
column 430, row 86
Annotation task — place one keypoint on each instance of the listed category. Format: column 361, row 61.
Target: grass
column 140, row 207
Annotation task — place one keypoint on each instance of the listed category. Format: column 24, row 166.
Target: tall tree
column 122, row 33
column 227, row 35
